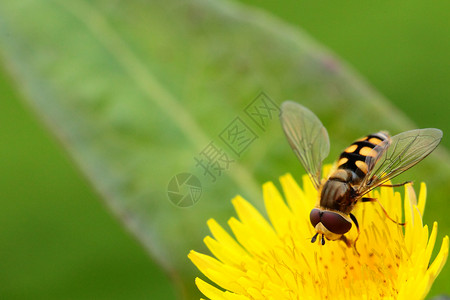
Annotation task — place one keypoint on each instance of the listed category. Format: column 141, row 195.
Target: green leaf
column 136, row 90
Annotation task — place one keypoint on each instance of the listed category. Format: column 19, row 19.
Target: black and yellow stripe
column 353, row 158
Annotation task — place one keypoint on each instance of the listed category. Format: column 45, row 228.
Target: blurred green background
column 59, row 241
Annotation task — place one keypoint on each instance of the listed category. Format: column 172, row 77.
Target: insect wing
column 396, row 155
column 307, row 137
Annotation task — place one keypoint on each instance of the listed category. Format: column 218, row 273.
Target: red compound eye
column 314, row 216
column 334, row 222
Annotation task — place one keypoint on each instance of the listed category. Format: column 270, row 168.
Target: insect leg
column 323, row 240
column 396, row 185
column 313, row 240
column 346, row 241
column 352, row 216
column 384, row 210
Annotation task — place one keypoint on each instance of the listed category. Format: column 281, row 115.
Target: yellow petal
column 279, row 213
column 251, row 218
column 209, row 291
column 224, row 238
column 276, row 260
column 422, row 198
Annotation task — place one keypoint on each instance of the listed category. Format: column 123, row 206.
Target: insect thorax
column 337, row 192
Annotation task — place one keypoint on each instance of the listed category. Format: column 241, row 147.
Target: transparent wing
column 307, row 137
column 392, row 157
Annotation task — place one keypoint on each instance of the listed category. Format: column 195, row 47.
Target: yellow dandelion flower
column 276, row 260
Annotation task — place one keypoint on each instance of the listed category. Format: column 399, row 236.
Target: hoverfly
column 366, row 164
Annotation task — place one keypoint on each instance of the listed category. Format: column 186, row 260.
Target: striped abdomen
column 338, row 193
column 353, row 158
